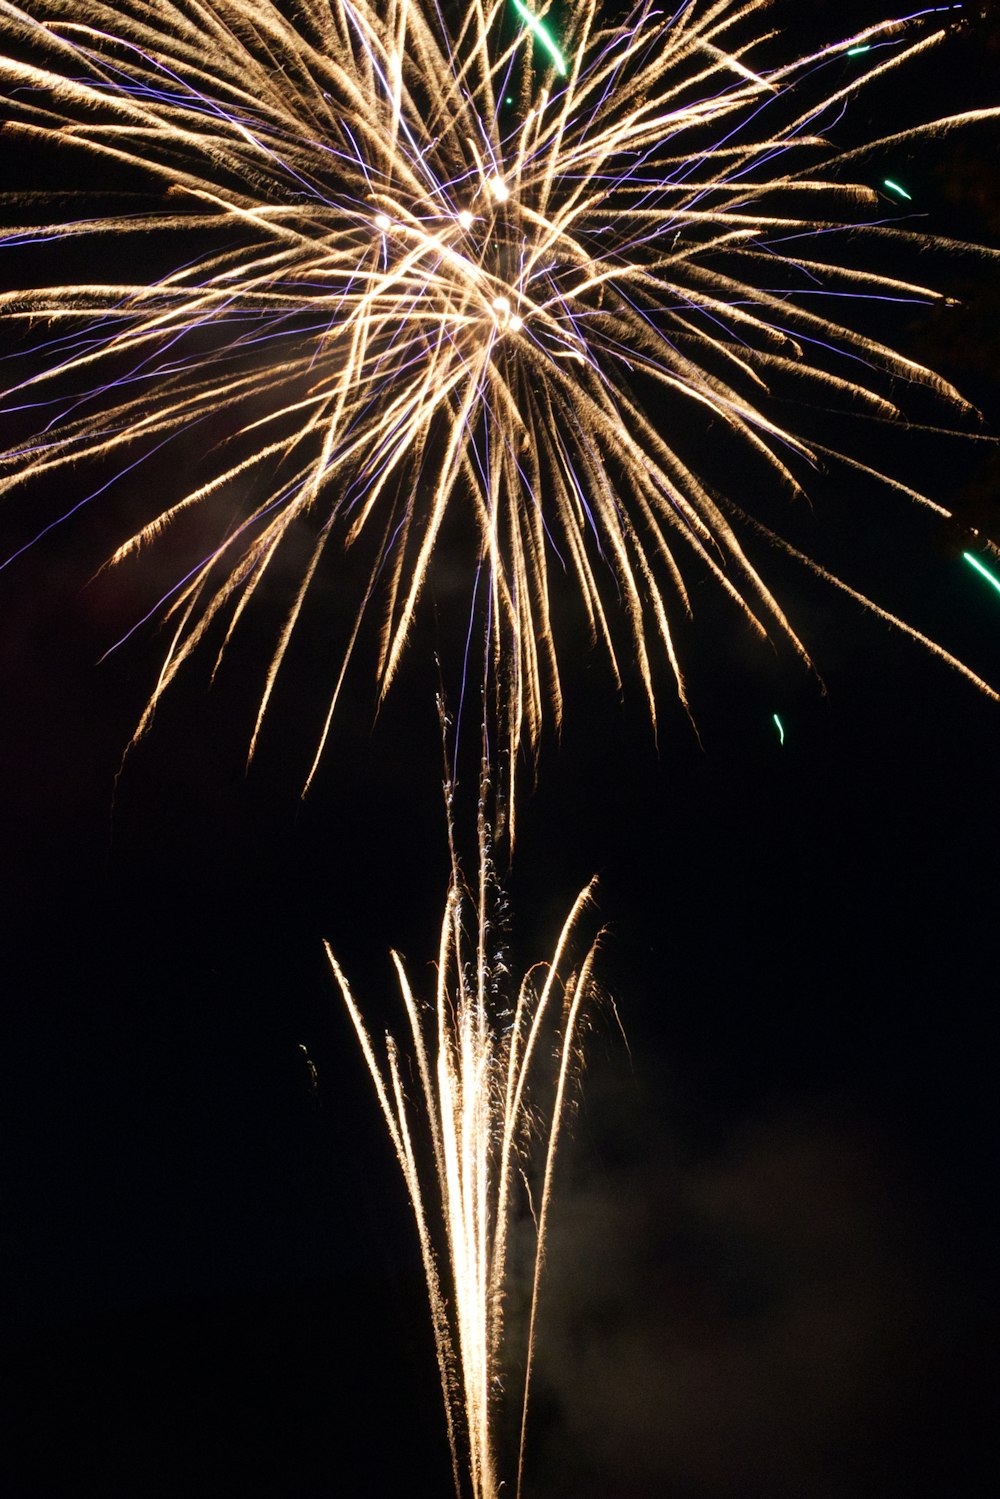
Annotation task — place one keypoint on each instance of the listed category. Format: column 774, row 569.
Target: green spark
column 975, row 562
column 780, row 728
column 888, row 182
column 537, row 27
column 856, row 51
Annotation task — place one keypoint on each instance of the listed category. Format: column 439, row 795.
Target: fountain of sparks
column 476, row 1050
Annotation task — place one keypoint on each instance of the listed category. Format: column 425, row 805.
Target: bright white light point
column 382, row 221
column 498, row 188
column 509, row 322
column 465, row 219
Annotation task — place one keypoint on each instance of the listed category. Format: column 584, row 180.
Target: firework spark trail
column 440, row 264
column 474, row 1057
column 426, row 276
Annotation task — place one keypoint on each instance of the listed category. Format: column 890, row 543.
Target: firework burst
column 438, row 266
column 445, row 270
column 443, row 264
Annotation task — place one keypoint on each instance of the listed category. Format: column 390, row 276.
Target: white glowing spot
column 507, row 320
column 498, row 188
column 383, row 221
column 465, row 219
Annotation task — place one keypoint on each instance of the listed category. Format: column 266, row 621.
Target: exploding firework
column 437, row 271
column 474, row 1051
column 456, row 271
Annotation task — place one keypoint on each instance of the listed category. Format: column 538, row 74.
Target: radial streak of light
column 895, row 187
column 539, row 29
column 982, row 569
column 405, row 313
column 473, row 1058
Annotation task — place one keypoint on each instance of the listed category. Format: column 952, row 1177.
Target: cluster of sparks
column 458, row 272
column 473, row 1069
column 455, row 267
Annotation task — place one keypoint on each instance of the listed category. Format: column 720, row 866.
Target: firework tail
column 477, row 1051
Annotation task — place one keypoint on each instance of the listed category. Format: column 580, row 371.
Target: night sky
column 772, row 1267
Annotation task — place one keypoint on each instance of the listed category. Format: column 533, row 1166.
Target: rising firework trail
column 475, row 1048
column 456, row 273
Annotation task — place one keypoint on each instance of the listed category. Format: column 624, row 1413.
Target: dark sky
column 771, row 1270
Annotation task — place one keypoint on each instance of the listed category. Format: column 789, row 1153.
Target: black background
column 770, row 1271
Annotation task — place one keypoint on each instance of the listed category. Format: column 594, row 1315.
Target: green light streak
column 888, row 182
column 856, row 51
column 538, row 29
column 975, row 562
column 780, row 728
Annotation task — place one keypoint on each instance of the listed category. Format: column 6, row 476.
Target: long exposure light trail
column 369, row 286
column 541, row 31
column 475, row 1051
column 982, row 569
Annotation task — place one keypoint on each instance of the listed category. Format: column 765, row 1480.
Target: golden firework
column 475, row 1049
column 450, row 266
